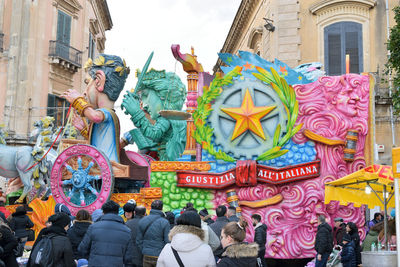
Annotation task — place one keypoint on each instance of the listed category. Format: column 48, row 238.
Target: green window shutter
column 63, row 27
column 67, row 29
column 60, row 26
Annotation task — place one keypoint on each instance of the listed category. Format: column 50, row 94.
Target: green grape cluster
column 175, row 197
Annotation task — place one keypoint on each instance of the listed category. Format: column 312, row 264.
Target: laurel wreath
column 203, row 133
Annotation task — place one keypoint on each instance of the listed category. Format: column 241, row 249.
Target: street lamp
column 268, row 25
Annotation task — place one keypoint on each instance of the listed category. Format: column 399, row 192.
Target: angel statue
column 158, row 136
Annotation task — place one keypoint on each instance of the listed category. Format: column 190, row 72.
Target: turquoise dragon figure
column 158, row 91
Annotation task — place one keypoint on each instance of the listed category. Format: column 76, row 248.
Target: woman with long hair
column 352, row 230
column 236, row 252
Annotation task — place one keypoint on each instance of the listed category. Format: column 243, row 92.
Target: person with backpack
column 52, row 247
column 152, row 234
column 8, row 242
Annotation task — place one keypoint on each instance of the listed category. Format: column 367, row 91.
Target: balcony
column 1, row 42
column 65, row 56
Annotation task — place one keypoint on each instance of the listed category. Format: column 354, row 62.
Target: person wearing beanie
column 129, row 209
column 62, row 248
column 205, row 217
column 348, row 254
column 62, row 208
column 108, row 241
column 338, row 231
column 187, row 240
column 96, row 215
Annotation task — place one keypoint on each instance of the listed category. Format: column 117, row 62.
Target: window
column 63, row 28
column 92, row 47
column 341, row 39
column 57, row 108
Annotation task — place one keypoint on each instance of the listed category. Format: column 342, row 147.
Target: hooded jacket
column 348, row 255
column 238, row 255
column 188, row 241
column 324, row 239
column 210, row 237
column 108, row 242
column 19, row 223
column 76, row 234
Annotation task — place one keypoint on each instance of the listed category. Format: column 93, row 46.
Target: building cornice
column 104, row 14
column 72, row 6
column 319, row 5
column 240, row 21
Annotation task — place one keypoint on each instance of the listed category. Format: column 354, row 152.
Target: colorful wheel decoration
column 82, row 178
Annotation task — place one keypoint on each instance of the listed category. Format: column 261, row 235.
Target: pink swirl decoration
column 329, row 107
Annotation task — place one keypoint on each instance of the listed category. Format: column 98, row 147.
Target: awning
column 352, row 188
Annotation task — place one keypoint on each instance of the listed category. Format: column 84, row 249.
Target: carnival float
column 260, row 136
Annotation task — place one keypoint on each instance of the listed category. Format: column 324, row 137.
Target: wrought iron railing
column 65, row 52
column 1, row 42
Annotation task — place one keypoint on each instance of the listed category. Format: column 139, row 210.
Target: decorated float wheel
column 82, row 177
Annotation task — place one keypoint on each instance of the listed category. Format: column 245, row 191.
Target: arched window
column 341, row 39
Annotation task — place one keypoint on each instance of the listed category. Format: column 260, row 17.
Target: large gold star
column 248, row 117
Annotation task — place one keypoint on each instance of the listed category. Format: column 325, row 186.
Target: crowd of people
column 345, row 237
column 136, row 238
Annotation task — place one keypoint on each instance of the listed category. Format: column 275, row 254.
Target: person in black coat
column 8, row 242
column 348, row 255
column 236, row 253
column 260, row 237
column 76, row 233
column 133, row 224
column 108, row 241
column 323, row 242
column 352, row 230
column 62, row 248
column 20, row 223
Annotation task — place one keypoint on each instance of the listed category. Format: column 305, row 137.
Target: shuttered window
column 63, row 27
column 57, row 108
column 92, row 46
column 340, row 39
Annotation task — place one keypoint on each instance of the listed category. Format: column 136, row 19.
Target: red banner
column 262, row 174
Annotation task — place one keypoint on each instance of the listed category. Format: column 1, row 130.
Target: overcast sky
column 140, row 27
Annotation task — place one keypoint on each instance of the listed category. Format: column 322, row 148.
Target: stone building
column 43, row 45
column 298, row 32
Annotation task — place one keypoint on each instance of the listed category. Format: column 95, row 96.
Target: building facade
column 43, row 47
column 325, row 31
